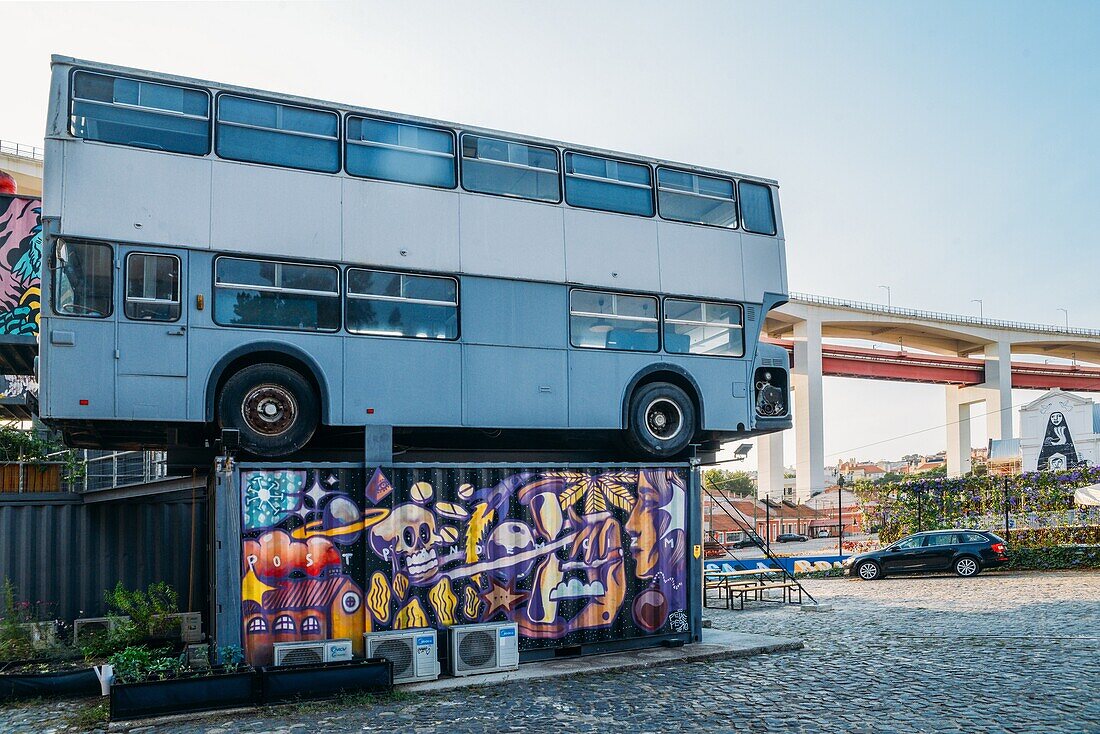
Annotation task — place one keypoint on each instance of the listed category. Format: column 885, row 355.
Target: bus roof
column 58, row 59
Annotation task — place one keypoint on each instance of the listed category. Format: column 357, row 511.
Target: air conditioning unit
column 413, row 652
column 95, row 626
column 306, row 653
column 484, row 648
column 190, row 626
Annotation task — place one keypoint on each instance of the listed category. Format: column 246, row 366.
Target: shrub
column 16, row 642
column 147, row 609
column 122, row 634
column 1066, row 557
column 1044, row 538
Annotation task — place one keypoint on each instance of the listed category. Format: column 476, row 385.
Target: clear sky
column 948, row 150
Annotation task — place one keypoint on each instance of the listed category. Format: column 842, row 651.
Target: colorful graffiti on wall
column 20, row 264
column 573, row 556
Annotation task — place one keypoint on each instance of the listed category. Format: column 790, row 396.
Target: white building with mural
column 1059, row 430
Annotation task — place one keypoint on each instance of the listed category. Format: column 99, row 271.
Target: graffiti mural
column 572, row 556
column 1058, row 451
column 20, row 264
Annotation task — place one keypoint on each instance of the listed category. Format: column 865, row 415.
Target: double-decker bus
column 221, row 257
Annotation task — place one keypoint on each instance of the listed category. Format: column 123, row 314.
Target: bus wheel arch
column 294, row 390
column 662, row 412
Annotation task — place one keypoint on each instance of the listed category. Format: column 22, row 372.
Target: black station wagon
column 966, row 552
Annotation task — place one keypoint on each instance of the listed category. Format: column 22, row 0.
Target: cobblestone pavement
column 997, row 653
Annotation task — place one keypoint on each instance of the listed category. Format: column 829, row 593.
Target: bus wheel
column 275, row 409
column 662, row 420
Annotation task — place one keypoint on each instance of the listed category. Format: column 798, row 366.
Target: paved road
column 998, row 653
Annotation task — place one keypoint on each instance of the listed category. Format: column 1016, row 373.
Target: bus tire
column 661, row 421
column 275, row 408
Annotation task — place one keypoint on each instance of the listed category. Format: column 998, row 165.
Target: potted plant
column 284, row 684
column 150, row 684
column 33, row 661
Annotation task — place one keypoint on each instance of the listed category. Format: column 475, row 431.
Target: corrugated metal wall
column 68, row 554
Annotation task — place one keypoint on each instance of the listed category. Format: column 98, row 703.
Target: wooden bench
column 750, row 581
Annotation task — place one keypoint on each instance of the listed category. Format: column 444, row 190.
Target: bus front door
column 152, row 335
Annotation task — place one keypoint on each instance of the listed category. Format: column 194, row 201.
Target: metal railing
column 19, row 150
column 111, row 469
column 940, row 316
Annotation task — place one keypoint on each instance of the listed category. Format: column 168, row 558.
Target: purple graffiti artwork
column 572, row 557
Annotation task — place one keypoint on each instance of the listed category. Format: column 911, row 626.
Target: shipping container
column 582, row 557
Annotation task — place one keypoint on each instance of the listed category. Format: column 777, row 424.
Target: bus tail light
column 771, row 392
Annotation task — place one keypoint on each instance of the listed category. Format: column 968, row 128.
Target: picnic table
column 743, row 582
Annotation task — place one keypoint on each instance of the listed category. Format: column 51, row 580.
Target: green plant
column 121, row 634
column 16, row 642
column 148, row 610
column 1070, row 557
column 232, row 657
column 132, row 664
column 19, row 445
column 87, row 718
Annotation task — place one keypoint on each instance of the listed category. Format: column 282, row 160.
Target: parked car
column 966, row 552
column 791, row 538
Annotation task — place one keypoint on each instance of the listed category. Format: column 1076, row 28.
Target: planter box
column 182, row 695
column 289, row 683
column 62, row 684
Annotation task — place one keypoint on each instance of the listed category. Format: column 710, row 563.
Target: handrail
column 940, row 316
column 22, row 151
column 756, row 539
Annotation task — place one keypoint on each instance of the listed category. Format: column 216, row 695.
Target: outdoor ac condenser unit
column 95, row 626
column 484, row 648
column 305, row 653
column 413, row 652
column 190, row 626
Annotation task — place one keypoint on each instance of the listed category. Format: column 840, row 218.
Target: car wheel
column 662, row 421
column 275, row 408
column 869, row 571
column 967, row 566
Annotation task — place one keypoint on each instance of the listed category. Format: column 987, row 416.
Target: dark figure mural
column 1058, row 451
column 572, row 556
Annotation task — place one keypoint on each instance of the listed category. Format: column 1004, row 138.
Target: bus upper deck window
column 83, row 279
column 690, row 197
column 757, row 212
column 506, row 168
column 609, row 185
column 256, row 131
column 152, row 287
column 140, row 114
column 397, row 151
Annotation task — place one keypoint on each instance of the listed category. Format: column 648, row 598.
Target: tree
column 729, row 482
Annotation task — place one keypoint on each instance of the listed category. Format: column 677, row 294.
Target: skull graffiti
column 408, row 539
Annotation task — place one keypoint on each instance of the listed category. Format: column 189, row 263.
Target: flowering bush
column 1034, row 498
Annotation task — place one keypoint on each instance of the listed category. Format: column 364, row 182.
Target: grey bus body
column 124, row 374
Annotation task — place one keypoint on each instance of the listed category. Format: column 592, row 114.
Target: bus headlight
column 771, row 392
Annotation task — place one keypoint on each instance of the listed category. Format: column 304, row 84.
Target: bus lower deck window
column 602, row 320
column 382, row 303
column 84, row 279
column 703, row 327
column 152, row 287
column 277, row 295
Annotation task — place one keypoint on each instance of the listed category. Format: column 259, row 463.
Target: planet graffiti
column 650, row 610
column 323, row 527
column 508, row 539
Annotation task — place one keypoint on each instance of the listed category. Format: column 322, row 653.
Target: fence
column 108, row 469
column 1028, row 502
column 17, row 477
column 22, row 151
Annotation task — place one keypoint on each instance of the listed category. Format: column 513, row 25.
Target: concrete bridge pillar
column 998, row 390
column 769, row 465
column 808, row 412
column 995, row 392
column 958, row 431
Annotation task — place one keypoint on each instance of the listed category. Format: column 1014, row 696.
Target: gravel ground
column 997, row 653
